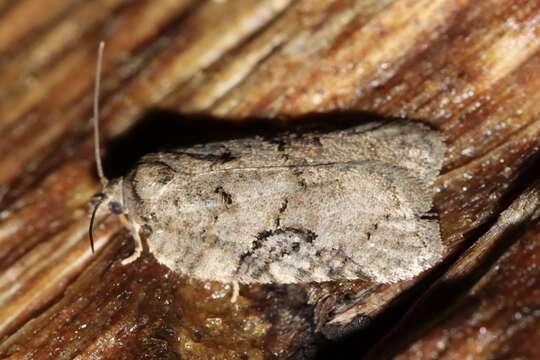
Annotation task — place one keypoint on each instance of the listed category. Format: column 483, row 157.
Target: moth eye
column 116, row 208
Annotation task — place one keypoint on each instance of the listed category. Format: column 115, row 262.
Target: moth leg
column 134, row 229
column 235, row 291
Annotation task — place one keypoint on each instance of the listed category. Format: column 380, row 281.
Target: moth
column 353, row 203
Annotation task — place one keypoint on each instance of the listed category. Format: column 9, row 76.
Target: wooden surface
column 180, row 71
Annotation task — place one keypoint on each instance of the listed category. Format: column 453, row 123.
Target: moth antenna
column 95, row 118
column 91, row 227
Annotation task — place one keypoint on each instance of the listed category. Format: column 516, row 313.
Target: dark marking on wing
column 225, row 196
column 220, row 158
column 306, row 235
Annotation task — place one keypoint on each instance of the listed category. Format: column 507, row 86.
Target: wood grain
column 180, row 71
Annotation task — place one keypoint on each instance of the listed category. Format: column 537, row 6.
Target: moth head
column 111, row 197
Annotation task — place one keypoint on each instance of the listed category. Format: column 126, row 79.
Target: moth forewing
column 344, row 204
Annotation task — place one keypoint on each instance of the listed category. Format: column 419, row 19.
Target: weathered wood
column 469, row 68
column 497, row 308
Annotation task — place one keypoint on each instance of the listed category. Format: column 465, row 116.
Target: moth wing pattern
column 313, row 207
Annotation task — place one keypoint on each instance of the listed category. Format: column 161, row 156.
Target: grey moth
column 347, row 204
